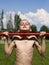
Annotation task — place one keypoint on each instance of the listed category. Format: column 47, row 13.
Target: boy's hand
column 42, row 34
column 5, row 36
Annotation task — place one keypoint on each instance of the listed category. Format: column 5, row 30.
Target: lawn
column 37, row 59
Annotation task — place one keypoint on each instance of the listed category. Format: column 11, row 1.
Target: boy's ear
column 30, row 30
column 18, row 30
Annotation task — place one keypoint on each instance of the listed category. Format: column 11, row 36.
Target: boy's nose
column 24, row 25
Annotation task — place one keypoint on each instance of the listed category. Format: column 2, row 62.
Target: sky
column 36, row 11
column 24, row 5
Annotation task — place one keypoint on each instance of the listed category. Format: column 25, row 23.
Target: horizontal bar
column 23, row 34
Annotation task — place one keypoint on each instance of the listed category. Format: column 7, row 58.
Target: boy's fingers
column 42, row 33
column 5, row 33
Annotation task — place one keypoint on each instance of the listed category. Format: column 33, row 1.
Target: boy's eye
column 21, row 23
column 27, row 23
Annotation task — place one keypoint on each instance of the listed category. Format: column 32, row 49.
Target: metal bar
column 23, row 34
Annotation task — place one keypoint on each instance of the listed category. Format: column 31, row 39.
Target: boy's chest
column 24, row 44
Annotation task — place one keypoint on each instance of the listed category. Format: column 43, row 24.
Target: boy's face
column 24, row 25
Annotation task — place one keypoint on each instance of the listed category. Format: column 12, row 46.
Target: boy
column 24, row 45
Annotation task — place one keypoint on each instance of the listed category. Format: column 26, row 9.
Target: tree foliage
column 44, row 28
column 33, row 28
column 1, row 20
column 9, row 24
column 16, row 22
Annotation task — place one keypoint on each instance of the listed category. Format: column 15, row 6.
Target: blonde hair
column 25, row 20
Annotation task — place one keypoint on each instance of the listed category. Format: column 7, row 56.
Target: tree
column 1, row 20
column 16, row 21
column 34, row 28
column 44, row 28
column 10, row 24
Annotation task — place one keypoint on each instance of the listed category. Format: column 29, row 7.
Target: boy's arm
column 8, row 48
column 41, row 48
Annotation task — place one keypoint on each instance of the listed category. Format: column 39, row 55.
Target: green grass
column 37, row 59
column 4, row 60
column 40, row 60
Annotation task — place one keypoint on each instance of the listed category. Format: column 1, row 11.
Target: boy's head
column 24, row 26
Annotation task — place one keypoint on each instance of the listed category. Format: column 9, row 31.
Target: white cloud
column 40, row 17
